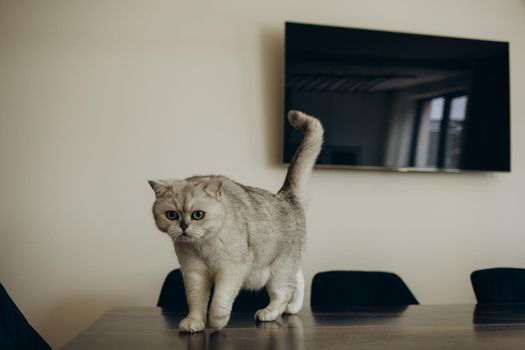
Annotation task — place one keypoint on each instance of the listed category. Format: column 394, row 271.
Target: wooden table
column 413, row 327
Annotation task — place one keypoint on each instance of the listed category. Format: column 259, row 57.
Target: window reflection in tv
column 400, row 101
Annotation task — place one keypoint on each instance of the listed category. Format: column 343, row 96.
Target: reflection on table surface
column 285, row 333
column 417, row 326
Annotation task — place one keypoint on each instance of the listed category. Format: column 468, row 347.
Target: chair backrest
column 501, row 285
column 173, row 296
column 337, row 290
column 15, row 332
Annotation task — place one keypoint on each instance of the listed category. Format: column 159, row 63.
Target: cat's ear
column 160, row 187
column 214, row 189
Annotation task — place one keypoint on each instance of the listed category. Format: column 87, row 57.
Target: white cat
column 234, row 236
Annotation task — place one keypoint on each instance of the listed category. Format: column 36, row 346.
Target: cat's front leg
column 197, row 286
column 228, row 282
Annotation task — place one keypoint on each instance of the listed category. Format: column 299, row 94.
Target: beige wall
column 98, row 96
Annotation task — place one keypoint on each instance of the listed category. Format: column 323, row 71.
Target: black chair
column 499, row 285
column 15, row 332
column 340, row 290
column 173, row 297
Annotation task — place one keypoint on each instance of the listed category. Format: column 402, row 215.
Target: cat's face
column 188, row 211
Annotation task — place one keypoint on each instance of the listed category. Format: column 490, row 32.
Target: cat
column 233, row 236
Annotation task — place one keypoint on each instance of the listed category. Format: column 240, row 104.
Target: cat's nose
column 183, row 226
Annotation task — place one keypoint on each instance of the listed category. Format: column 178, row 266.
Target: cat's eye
column 172, row 215
column 197, row 215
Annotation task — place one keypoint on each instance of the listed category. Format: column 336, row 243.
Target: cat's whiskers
column 222, row 243
column 173, row 233
column 199, row 245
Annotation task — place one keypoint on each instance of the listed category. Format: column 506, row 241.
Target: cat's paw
column 218, row 322
column 190, row 325
column 266, row 315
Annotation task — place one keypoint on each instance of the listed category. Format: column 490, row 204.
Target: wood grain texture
column 418, row 327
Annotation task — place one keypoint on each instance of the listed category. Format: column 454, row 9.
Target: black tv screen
column 399, row 101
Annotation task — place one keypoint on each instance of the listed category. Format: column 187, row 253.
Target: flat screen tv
column 399, row 101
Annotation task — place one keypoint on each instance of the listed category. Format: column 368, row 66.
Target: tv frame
column 400, row 169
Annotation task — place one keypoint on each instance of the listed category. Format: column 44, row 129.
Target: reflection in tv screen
column 400, row 101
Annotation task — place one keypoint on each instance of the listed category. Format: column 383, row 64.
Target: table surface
column 417, row 326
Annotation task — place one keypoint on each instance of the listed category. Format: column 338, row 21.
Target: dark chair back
column 15, row 332
column 339, row 290
column 173, row 296
column 499, row 285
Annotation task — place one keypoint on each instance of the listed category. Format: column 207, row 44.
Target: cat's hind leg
column 280, row 288
column 296, row 302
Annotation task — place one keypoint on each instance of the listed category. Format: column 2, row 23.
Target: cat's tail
column 304, row 159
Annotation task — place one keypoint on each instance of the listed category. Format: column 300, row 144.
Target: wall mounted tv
column 398, row 101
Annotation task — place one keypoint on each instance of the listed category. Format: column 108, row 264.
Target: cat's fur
column 249, row 238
